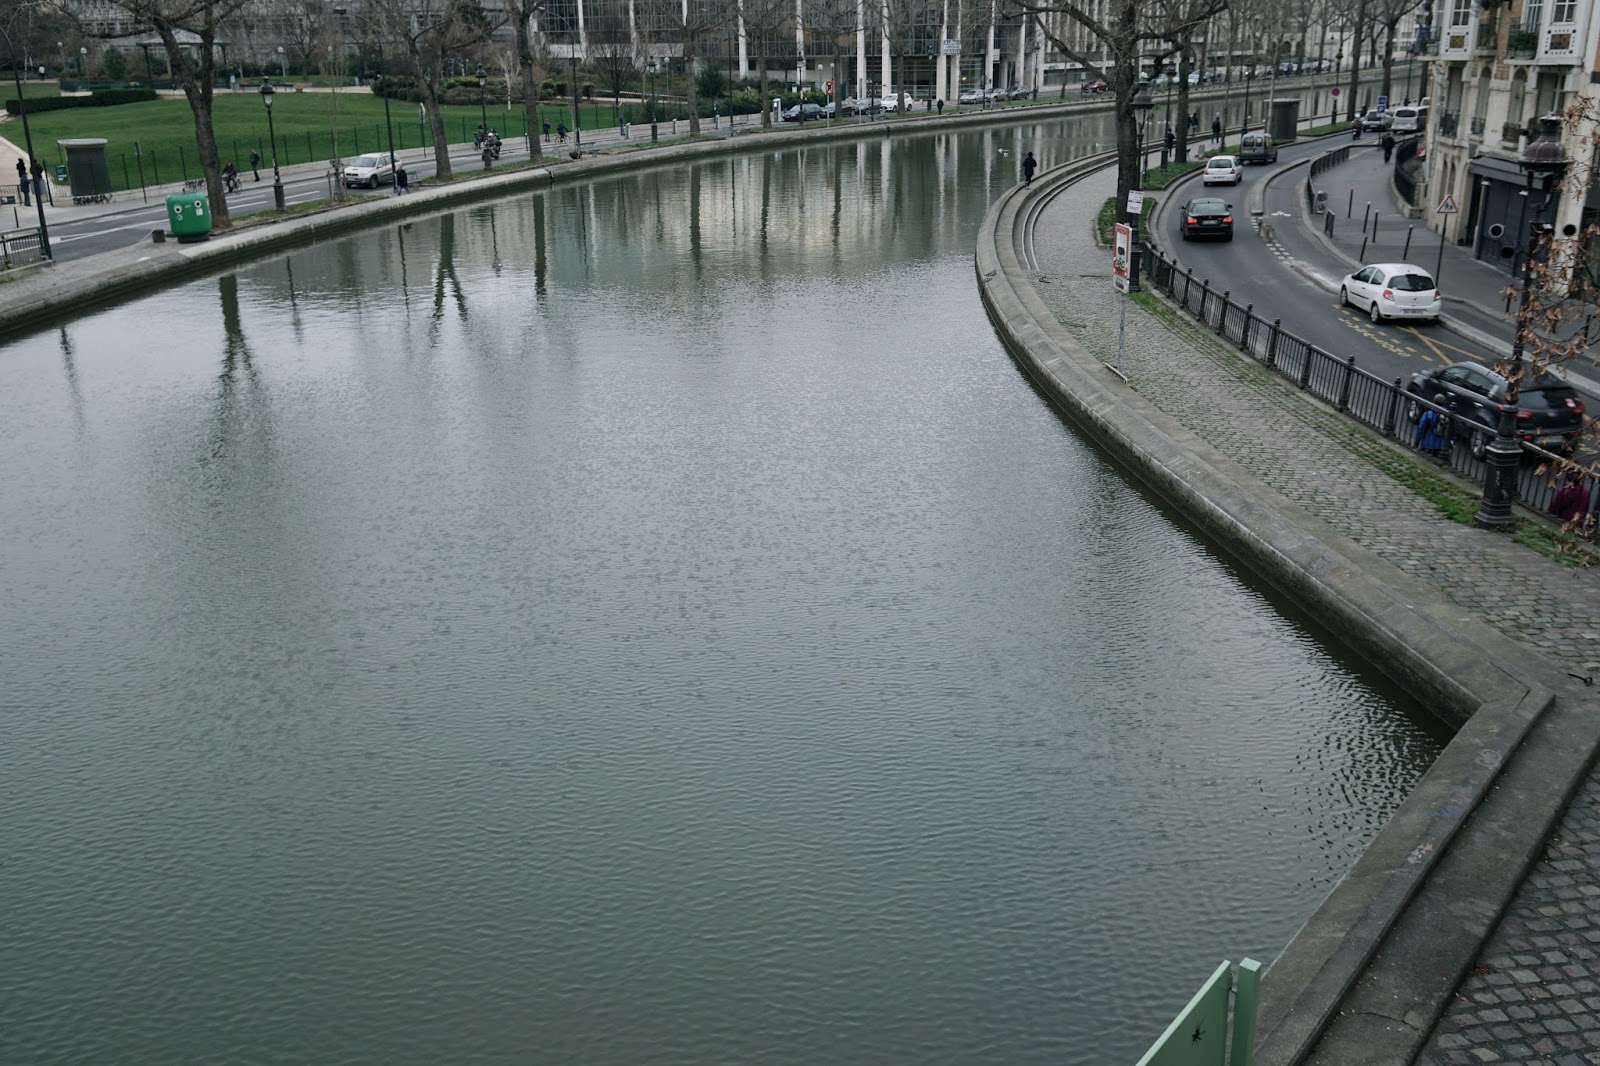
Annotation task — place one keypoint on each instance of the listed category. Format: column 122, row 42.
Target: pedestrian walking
column 940, row 105
column 255, row 163
column 22, row 182
column 1029, row 165
column 1216, row 129
column 561, row 131
column 402, row 183
column 1170, row 141
column 1388, row 146
column 547, row 132
column 1194, row 122
column 41, row 188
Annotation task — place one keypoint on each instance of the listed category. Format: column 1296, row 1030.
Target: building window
column 1461, row 13
column 1564, row 12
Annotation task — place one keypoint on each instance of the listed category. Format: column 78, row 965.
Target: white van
column 1409, row 119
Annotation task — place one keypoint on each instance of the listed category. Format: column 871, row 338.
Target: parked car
column 1257, row 148
column 970, row 96
column 1376, row 121
column 370, row 170
column 1222, row 170
column 1549, row 412
column 1096, row 85
column 1206, row 216
column 1019, row 92
column 898, row 102
column 803, row 113
column 829, row 109
column 1393, row 290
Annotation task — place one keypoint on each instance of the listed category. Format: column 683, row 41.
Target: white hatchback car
column 1393, row 290
column 370, row 170
column 1222, row 170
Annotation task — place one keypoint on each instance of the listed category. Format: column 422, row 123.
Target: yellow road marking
column 1438, row 347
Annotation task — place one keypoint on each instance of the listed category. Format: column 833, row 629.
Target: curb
column 1367, row 976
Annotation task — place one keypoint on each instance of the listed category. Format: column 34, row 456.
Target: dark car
column 803, row 113
column 1549, row 412
column 1206, row 216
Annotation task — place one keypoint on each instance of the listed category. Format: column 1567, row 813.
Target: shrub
column 104, row 98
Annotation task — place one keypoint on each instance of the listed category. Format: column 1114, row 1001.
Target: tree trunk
column 1355, row 64
column 1185, row 65
column 690, row 90
column 1388, row 61
column 766, row 95
column 1124, row 77
column 428, row 86
column 197, row 90
column 530, row 87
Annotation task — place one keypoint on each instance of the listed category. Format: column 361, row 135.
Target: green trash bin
column 189, row 215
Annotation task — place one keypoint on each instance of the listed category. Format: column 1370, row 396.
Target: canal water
column 650, row 621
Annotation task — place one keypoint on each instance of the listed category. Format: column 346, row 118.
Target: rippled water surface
column 645, row 622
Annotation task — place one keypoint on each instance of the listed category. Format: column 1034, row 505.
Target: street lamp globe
column 266, row 93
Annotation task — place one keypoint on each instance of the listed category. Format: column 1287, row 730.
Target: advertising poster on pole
column 1121, row 255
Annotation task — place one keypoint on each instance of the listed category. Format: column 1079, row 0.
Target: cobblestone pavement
column 1534, row 996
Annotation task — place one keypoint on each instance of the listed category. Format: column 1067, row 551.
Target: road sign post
column 1447, row 207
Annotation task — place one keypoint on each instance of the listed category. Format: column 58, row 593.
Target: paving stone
column 1549, row 932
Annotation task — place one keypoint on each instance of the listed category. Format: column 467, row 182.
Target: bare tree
column 762, row 21
column 194, row 66
column 692, row 22
column 1177, row 22
column 428, row 31
column 1122, row 33
column 522, row 14
column 612, row 54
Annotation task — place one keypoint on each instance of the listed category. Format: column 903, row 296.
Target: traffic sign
column 1335, row 92
column 828, row 87
column 1121, row 255
column 1383, row 104
column 1135, row 202
column 1447, row 206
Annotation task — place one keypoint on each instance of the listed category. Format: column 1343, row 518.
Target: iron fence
column 20, row 247
column 1389, row 408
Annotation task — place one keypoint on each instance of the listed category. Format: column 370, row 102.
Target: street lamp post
column 1141, row 107
column 1542, row 162
column 283, row 65
column 483, row 91
column 1244, row 123
column 272, row 135
column 654, row 132
column 83, row 62
column 38, row 197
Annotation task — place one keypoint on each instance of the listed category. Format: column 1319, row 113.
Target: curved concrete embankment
column 1367, row 976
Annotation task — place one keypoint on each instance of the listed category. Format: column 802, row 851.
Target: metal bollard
column 1404, row 252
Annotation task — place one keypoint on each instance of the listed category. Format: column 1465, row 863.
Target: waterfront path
column 1532, row 994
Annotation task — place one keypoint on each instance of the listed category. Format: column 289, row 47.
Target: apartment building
column 1496, row 69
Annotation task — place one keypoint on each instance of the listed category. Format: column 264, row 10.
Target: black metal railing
column 1510, row 133
column 1449, row 122
column 1488, row 35
column 1386, row 407
column 20, row 247
column 1477, row 125
column 1321, row 165
column 1523, row 41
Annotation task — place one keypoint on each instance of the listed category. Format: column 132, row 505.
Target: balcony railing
column 1510, row 134
column 1477, row 126
column 1523, row 41
column 1429, row 48
column 1488, row 35
column 1448, row 123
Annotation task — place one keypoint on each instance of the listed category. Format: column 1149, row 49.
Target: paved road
column 74, row 238
column 1260, row 272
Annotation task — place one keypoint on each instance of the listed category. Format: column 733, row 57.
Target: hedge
column 107, row 98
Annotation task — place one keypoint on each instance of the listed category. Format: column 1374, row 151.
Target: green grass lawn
column 164, row 129
column 30, row 89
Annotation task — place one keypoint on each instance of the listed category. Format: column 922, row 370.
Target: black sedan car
column 1206, row 216
column 1549, row 412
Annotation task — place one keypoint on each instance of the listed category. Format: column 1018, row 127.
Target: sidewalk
column 1532, row 995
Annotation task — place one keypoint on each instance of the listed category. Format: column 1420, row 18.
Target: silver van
column 1408, row 119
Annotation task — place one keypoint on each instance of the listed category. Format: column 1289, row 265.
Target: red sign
column 1121, row 254
column 829, row 87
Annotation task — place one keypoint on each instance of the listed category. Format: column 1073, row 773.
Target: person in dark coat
column 1388, row 146
column 1216, row 129
column 1571, row 501
column 1029, row 165
column 22, row 182
column 255, row 163
column 940, row 105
